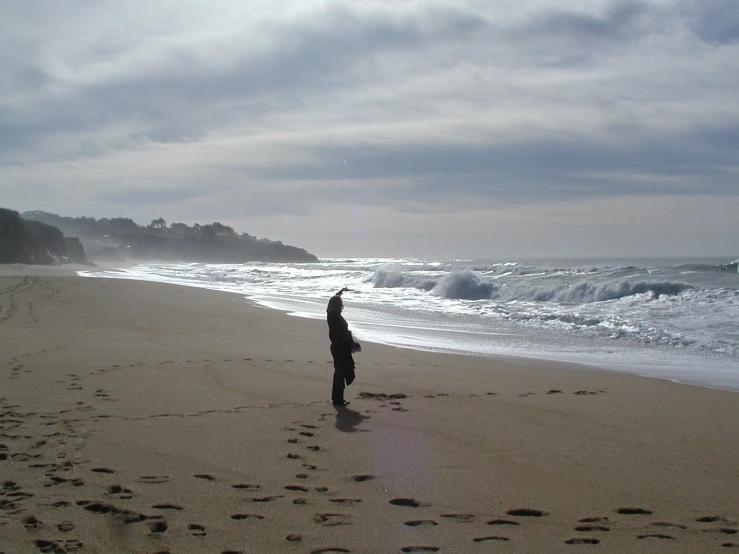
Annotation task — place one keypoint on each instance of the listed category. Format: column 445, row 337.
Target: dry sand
column 141, row 417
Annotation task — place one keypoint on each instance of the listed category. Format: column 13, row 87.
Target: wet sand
column 142, row 417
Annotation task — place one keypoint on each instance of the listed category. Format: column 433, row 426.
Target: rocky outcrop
column 75, row 251
column 29, row 242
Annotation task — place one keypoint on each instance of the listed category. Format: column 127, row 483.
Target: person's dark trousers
column 337, row 391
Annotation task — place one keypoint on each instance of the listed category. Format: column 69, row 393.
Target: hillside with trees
column 34, row 242
column 123, row 239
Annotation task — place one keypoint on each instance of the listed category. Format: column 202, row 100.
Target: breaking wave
column 385, row 278
column 464, row 285
column 585, row 291
column 468, row 285
column 730, row 267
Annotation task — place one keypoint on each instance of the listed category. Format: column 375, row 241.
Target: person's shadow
column 347, row 420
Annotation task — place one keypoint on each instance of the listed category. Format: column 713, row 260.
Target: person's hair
column 335, row 304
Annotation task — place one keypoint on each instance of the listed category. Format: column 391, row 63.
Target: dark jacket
column 341, row 345
column 338, row 328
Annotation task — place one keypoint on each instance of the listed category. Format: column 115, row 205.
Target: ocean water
column 669, row 318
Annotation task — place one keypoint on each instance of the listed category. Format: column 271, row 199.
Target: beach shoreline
column 630, row 335
column 152, row 418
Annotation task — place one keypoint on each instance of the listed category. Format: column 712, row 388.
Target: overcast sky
column 500, row 128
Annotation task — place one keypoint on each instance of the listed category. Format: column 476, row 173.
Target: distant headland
column 38, row 237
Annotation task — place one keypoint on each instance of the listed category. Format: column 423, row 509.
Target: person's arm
column 346, row 334
column 345, row 289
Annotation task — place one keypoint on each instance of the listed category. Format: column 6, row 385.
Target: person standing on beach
column 341, row 348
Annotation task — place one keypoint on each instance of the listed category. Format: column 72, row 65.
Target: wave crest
column 385, row 278
column 468, row 285
column 464, row 285
column 596, row 292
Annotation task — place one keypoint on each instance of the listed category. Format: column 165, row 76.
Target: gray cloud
column 277, row 110
column 715, row 21
column 622, row 21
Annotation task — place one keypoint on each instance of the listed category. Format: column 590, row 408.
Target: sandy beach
column 149, row 418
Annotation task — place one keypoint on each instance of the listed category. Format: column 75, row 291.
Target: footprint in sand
column 408, row 502
column 362, row 478
column 629, row 510
column 153, row 479
column 527, row 512
column 167, row 507
column 459, row 517
column 64, row 527
column 123, row 493
column 595, row 519
column 10, row 486
column 246, row 516
column 31, row 523
column 714, row 519
column 503, row 522
column 582, row 540
column 345, row 500
column 589, row 528
column 327, row 550
column 157, row 527
column 491, row 538
column 204, row 476
column 420, row 549
column 196, row 530
column 655, row 536
column 420, row 523
column 332, row 519
column 247, row 487
column 58, row 546
column 296, row 488
column 97, row 507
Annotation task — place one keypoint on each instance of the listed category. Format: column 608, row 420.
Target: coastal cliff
column 34, row 242
column 123, row 239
